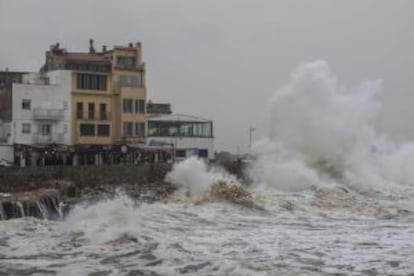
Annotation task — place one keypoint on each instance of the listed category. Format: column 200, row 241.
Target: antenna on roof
column 91, row 48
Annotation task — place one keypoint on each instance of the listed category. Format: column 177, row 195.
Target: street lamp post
column 251, row 130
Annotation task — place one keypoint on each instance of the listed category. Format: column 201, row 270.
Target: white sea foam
column 319, row 174
column 193, row 177
column 322, row 134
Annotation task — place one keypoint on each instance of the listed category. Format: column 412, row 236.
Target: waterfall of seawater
column 43, row 208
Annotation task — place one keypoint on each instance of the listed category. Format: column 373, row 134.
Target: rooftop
column 85, row 57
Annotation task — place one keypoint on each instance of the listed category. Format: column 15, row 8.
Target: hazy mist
column 224, row 59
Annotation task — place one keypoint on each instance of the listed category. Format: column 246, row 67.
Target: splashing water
column 193, row 178
column 323, row 135
column 335, row 195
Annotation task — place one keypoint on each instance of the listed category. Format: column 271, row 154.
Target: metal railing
column 47, row 114
column 100, row 116
column 55, row 137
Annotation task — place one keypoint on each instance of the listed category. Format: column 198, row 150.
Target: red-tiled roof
column 85, row 57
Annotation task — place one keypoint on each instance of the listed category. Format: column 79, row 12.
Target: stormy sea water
column 327, row 196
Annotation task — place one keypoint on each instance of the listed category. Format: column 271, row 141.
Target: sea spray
column 316, row 230
column 104, row 221
column 323, row 135
column 193, row 178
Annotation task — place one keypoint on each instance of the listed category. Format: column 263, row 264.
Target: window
column 125, row 61
column 180, row 128
column 65, row 128
column 45, row 129
column 65, row 105
column 129, row 81
column 79, row 110
column 91, row 111
column 25, row 128
column 140, row 106
column 103, row 115
column 140, row 129
column 87, row 130
column 26, row 104
column 90, row 81
column 127, row 106
column 128, row 129
column 180, row 153
column 203, row 153
column 103, row 130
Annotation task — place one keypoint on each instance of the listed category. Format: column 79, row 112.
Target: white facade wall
column 5, row 133
column 187, row 143
column 50, row 104
column 7, row 152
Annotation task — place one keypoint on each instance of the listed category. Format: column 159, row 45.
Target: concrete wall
column 6, row 80
column 5, row 133
column 7, row 152
column 43, row 98
column 31, row 178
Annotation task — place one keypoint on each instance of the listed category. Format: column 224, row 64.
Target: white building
column 41, row 111
column 188, row 135
column 6, row 148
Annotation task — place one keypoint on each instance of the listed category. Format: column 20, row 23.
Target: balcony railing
column 53, row 138
column 102, row 116
column 130, row 67
column 47, row 114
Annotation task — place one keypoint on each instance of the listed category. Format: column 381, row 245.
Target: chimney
column 131, row 45
column 103, row 48
column 91, row 48
column 138, row 44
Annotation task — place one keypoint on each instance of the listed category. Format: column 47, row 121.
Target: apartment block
column 41, row 115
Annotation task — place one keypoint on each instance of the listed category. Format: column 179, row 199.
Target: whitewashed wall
column 7, row 152
column 54, row 96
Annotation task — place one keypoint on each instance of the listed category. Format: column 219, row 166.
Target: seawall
column 49, row 192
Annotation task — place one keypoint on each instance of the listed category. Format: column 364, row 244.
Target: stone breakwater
column 50, row 192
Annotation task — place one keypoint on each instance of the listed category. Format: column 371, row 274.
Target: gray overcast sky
column 223, row 59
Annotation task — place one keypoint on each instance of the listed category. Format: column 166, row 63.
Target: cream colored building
column 129, row 94
column 108, row 99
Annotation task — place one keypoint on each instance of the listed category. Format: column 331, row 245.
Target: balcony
column 47, row 114
column 53, row 138
column 102, row 116
column 130, row 67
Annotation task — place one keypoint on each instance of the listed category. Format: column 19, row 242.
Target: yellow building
column 108, row 96
column 129, row 99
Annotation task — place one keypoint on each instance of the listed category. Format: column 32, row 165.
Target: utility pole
column 251, row 130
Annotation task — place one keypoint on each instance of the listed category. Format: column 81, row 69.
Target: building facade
column 187, row 135
column 108, row 99
column 128, row 74
column 7, row 78
column 90, row 108
column 41, row 117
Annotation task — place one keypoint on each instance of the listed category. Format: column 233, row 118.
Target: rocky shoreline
column 50, row 193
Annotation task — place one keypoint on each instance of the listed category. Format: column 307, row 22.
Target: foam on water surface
column 335, row 197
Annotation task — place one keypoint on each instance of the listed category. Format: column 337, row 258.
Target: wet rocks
column 49, row 193
column 231, row 193
column 228, row 191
